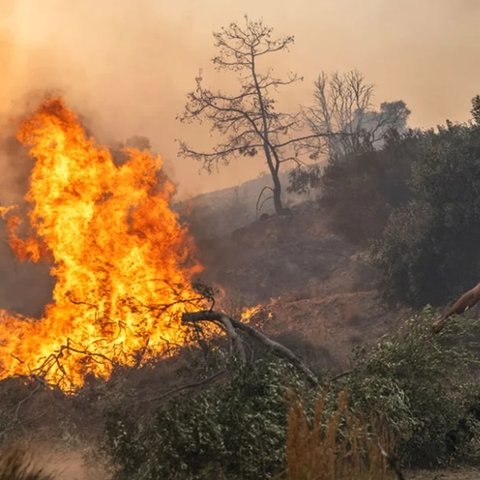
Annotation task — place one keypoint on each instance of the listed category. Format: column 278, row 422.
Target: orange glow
column 121, row 260
column 249, row 312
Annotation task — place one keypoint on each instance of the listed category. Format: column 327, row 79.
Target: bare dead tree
column 248, row 120
column 343, row 103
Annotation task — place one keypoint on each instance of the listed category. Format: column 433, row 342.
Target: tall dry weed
column 15, row 464
column 334, row 445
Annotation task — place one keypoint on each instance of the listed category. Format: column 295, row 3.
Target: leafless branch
column 227, row 323
column 343, row 104
column 248, row 120
column 272, row 345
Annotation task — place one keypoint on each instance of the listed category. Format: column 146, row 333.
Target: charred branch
column 259, row 205
column 225, row 322
column 275, row 347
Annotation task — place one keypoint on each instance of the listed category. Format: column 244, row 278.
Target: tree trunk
column 268, row 148
column 277, row 186
column 277, row 196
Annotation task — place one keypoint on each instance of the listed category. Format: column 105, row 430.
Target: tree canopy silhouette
column 248, row 120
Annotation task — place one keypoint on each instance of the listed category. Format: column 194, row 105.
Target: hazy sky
column 126, row 65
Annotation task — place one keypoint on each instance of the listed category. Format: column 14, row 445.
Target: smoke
column 23, row 288
column 127, row 66
column 113, row 62
column 6, row 51
column 44, row 54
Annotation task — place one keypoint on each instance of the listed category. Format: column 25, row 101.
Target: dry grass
column 335, row 446
column 16, row 465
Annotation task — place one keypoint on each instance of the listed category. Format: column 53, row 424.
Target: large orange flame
column 121, row 260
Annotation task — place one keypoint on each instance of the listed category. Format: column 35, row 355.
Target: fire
column 249, row 312
column 121, row 260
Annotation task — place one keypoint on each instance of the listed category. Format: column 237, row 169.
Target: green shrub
column 234, row 430
column 425, row 388
column 422, row 387
column 360, row 190
column 428, row 252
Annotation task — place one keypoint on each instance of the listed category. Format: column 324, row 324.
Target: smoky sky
column 127, row 65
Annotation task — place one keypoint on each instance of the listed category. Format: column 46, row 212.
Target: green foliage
column 429, row 252
column 424, row 387
column 303, row 179
column 361, row 189
column 235, row 430
column 476, row 109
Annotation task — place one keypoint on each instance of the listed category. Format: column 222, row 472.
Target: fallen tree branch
column 277, row 348
column 225, row 321
column 340, row 375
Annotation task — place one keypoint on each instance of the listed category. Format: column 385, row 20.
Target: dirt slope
column 457, row 474
column 318, row 286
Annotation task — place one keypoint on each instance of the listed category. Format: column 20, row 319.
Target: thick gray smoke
column 24, row 287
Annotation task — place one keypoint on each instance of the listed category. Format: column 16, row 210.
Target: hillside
column 316, row 284
column 321, row 299
column 221, row 212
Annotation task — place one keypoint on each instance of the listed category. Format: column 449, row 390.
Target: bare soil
column 456, row 474
column 318, row 286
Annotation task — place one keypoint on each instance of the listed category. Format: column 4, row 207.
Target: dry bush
column 334, row 445
column 16, row 465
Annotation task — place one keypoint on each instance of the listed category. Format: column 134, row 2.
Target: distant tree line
column 428, row 251
column 413, row 196
column 415, row 202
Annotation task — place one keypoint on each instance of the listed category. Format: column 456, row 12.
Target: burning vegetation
column 122, row 261
column 235, row 402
